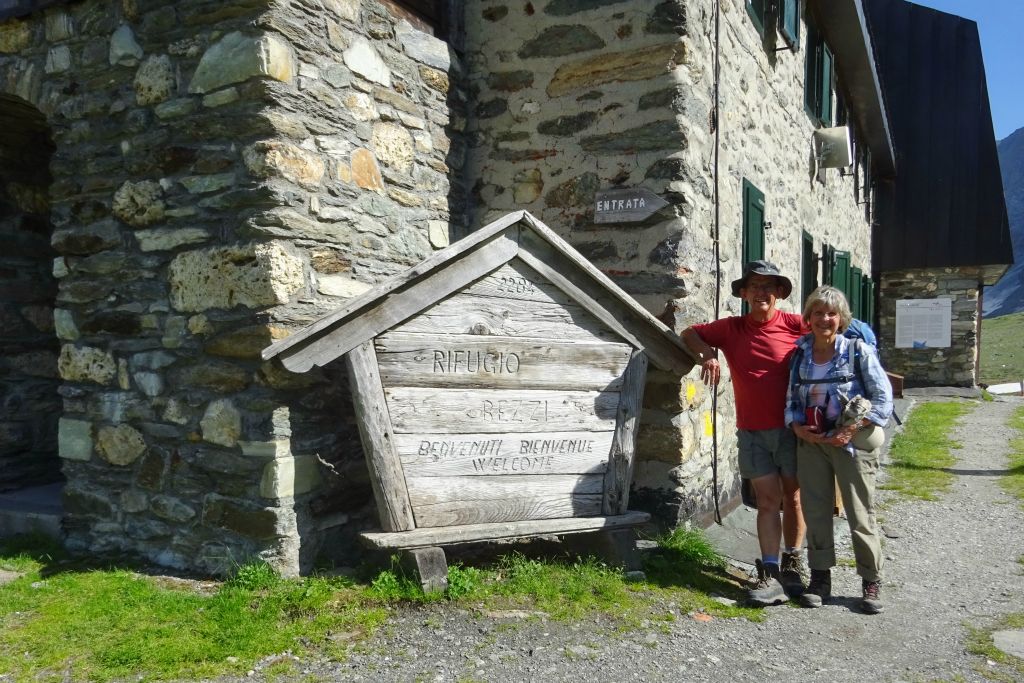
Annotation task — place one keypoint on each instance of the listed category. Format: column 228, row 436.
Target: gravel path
column 949, row 563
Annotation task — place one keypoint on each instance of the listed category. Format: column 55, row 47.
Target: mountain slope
column 1007, row 295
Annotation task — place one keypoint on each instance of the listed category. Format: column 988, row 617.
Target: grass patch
column 1002, row 355
column 1013, row 481
column 64, row 621
column 921, row 453
column 980, row 642
column 107, row 624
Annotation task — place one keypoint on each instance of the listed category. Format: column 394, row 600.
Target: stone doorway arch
column 30, row 404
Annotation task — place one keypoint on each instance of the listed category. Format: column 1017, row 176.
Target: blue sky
column 1001, row 24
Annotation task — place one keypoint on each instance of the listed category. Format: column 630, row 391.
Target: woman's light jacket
column 871, row 383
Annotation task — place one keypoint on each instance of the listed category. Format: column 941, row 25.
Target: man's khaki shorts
column 766, row 451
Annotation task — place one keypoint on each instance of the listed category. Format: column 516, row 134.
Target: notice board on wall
column 924, row 323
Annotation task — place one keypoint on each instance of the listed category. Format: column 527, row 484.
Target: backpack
column 859, row 329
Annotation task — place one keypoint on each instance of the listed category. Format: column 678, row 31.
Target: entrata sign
column 626, row 206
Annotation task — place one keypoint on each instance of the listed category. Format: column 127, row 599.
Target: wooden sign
column 497, row 386
column 630, row 205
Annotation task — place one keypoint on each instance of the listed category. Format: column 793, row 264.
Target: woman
column 838, row 440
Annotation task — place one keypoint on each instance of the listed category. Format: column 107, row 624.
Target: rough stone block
column 120, row 445
column 289, row 477
column 270, row 159
column 561, row 40
column 139, row 204
column 394, row 146
column 340, row 286
column 172, row 508
column 124, row 49
column 74, row 439
column 222, row 423
column 635, row 65
column 423, row 47
column 237, row 58
column 87, row 239
column 242, row 518
column 154, row 81
column 249, row 275
column 365, row 171
column 162, row 239
column 15, row 36
column 363, row 59
column 86, row 364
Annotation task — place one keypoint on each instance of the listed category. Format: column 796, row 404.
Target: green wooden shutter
column 789, row 22
column 868, row 300
column 812, row 58
column 841, row 272
column 753, row 222
column 756, row 10
column 808, row 268
column 825, row 92
column 855, row 294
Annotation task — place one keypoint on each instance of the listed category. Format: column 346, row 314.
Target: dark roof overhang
column 845, row 27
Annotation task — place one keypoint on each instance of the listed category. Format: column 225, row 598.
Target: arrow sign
column 629, row 205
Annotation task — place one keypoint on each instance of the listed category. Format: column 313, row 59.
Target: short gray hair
column 832, row 298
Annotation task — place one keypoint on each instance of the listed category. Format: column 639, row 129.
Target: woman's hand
column 808, row 434
column 842, row 436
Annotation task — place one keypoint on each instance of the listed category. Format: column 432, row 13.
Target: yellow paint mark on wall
column 707, row 424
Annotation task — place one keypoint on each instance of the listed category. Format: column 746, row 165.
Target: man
column 758, row 346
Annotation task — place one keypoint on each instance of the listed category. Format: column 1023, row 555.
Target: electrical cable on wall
column 718, row 271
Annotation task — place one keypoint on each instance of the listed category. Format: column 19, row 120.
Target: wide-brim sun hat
column 762, row 268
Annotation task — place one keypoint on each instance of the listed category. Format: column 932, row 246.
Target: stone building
column 944, row 233
column 184, row 183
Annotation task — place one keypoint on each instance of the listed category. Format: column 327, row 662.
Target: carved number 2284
column 516, row 285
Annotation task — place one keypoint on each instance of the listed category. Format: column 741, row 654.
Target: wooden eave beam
column 845, row 27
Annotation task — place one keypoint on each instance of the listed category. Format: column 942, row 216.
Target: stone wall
column 572, row 96
column 955, row 366
column 223, row 172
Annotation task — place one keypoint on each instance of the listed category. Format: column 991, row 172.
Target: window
column 818, row 78
column 808, row 268
column 789, row 22
column 828, row 259
column 757, row 10
column 753, row 223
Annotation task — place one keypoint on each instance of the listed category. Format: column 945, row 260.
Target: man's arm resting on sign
column 710, row 370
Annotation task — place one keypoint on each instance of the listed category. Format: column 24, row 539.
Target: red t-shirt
column 758, row 357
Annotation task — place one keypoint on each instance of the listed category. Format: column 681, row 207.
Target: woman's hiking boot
column 768, row 588
column 819, row 590
column 791, row 574
column 871, row 603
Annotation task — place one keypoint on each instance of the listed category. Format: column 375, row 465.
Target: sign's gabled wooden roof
column 517, row 235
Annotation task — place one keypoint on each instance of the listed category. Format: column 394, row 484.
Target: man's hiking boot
column 819, row 590
column 768, row 590
column 871, row 603
column 792, row 574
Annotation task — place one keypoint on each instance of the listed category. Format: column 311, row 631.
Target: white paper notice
column 924, row 323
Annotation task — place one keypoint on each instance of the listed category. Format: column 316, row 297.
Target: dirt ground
column 950, row 565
